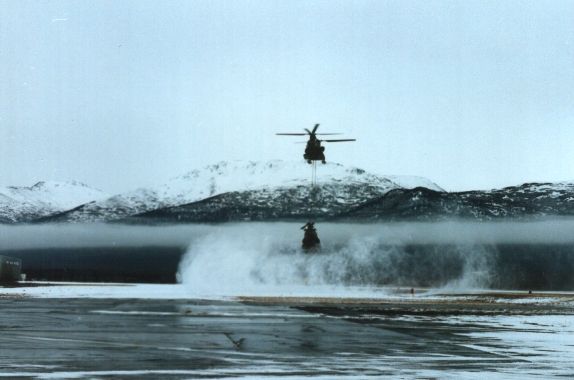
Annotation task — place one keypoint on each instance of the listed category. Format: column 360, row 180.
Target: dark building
column 10, row 269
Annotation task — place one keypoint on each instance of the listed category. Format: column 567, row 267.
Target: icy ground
column 115, row 331
column 45, row 289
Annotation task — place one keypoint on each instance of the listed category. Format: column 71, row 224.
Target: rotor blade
column 323, row 134
column 291, row 134
column 315, row 128
column 308, row 131
column 339, row 140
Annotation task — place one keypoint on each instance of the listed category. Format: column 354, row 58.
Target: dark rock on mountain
column 525, row 201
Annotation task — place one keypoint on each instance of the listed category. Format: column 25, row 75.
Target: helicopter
column 311, row 240
column 314, row 151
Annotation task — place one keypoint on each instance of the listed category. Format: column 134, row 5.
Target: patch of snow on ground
column 180, row 291
column 102, row 290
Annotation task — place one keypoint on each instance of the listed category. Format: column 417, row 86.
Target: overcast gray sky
column 118, row 94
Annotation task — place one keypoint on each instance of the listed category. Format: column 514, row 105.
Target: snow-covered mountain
column 279, row 190
column 262, row 180
column 356, row 201
column 530, row 200
column 21, row 204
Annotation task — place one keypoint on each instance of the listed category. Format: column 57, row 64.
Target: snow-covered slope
column 19, row 204
column 236, row 176
column 411, row 182
column 529, row 200
column 251, row 175
column 279, row 190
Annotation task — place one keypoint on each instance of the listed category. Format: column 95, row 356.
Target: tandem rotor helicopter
column 313, row 152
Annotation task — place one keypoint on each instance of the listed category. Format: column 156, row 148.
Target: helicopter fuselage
column 311, row 240
column 314, row 151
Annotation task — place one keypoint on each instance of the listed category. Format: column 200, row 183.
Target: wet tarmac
column 43, row 338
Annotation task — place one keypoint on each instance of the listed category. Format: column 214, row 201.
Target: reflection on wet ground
column 138, row 339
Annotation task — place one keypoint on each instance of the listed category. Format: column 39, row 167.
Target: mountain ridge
column 281, row 190
column 233, row 177
column 27, row 203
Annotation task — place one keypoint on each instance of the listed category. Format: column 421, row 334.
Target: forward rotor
column 309, row 133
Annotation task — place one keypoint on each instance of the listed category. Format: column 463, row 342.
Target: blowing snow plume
column 265, row 259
